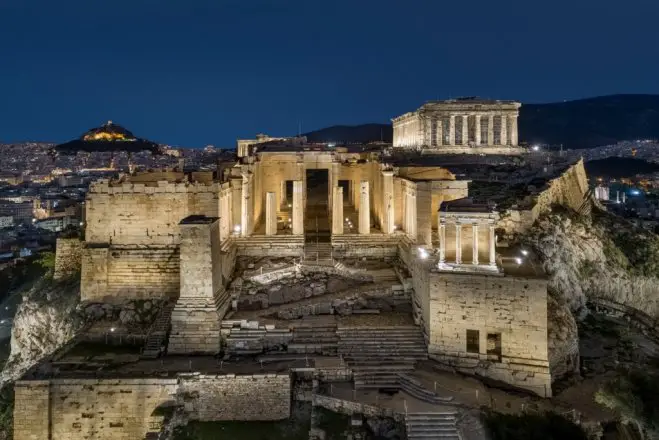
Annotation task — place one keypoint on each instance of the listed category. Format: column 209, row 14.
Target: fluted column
column 388, row 202
column 364, row 209
column 282, row 194
column 513, row 131
column 465, row 129
column 451, row 130
column 270, row 213
column 490, row 130
column 298, row 207
column 442, row 242
column 504, row 130
column 245, row 207
column 337, row 211
column 474, row 239
column 458, row 243
column 493, row 256
column 439, row 130
column 477, row 129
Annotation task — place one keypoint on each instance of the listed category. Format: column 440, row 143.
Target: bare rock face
column 563, row 339
column 46, row 319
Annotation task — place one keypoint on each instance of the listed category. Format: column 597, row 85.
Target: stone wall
column 231, row 397
column 373, row 246
column 68, row 257
column 513, row 308
column 270, row 246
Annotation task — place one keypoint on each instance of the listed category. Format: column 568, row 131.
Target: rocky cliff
column 46, row 319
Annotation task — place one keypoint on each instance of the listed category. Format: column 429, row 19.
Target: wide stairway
column 318, row 252
column 158, row 332
column 317, row 339
column 377, row 355
column 432, row 425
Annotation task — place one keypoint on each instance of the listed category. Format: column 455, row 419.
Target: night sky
column 198, row 72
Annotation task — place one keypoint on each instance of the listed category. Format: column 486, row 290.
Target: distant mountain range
column 583, row 123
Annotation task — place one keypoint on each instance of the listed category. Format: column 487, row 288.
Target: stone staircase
column 382, row 275
column 158, row 332
column 318, row 252
column 432, row 425
column 416, row 389
column 316, row 339
column 377, row 355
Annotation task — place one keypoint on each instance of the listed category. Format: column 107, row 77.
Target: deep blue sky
column 197, row 72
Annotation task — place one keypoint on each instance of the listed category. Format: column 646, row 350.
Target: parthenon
column 466, row 122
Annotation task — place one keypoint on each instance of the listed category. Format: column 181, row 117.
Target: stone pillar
column 364, row 209
column 474, row 238
column 388, row 202
column 423, row 215
column 245, row 207
column 513, row 131
column 270, row 213
column 410, row 213
column 477, row 129
column 504, row 130
column 451, row 130
column 236, row 203
column 490, row 130
column 298, row 207
column 333, row 181
column 439, row 131
column 493, row 253
column 283, row 201
column 196, row 318
column 458, row 243
column 465, row 129
column 337, row 211
column 442, row 242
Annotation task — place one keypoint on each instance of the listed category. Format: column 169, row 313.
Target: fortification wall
column 126, row 214
column 114, row 273
column 231, row 397
column 512, row 309
column 68, row 257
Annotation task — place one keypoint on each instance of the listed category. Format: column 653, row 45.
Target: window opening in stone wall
column 494, row 346
column 472, row 341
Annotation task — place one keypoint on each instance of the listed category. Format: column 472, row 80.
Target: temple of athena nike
column 360, row 264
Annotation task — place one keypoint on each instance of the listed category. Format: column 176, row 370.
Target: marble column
column 474, row 238
column 458, row 243
column 337, row 211
column 410, row 214
column 283, row 201
column 442, row 242
column 504, row 130
column 465, row 129
column 451, row 130
column 333, row 176
column 270, row 213
column 477, row 129
column 439, row 131
column 513, row 131
column 298, row 207
column 364, row 208
column 490, row 130
column 245, row 208
column 492, row 240
column 388, row 202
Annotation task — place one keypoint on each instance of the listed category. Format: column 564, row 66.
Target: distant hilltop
column 583, row 123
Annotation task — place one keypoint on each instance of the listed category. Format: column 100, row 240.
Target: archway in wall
column 316, row 215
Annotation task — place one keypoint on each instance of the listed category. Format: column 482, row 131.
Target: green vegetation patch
column 548, row 426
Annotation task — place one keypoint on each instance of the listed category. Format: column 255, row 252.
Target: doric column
column 477, row 129
column 490, row 130
column 282, row 194
column 410, row 213
column 439, row 130
column 388, row 202
column 270, row 213
column 474, row 238
column 337, row 211
column 442, row 241
column 513, row 131
column 458, row 243
column 504, row 130
column 465, row 129
column 245, row 221
column 298, row 207
column 451, row 130
column 493, row 255
column 364, row 208
column 333, row 181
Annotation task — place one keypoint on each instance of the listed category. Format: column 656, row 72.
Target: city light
column 535, row 148
column 525, row 252
column 112, row 329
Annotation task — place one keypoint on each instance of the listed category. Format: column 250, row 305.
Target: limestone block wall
column 68, row 257
column 567, row 190
column 233, row 397
column 373, row 246
column 125, row 214
column 72, row 409
column 114, row 273
column 270, row 246
column 514, row 308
